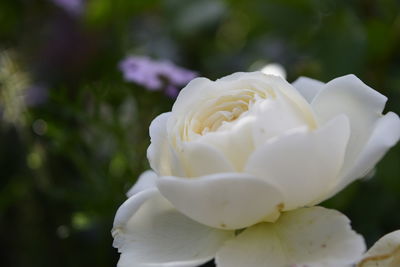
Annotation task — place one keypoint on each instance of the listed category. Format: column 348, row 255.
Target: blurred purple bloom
column 171, row 91
column 74, row 7
column 155, row 75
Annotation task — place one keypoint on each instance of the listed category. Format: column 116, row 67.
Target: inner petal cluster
column 217, row 113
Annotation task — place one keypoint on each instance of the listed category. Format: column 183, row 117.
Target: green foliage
column 66, row 163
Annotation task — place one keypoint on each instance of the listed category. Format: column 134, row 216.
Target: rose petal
column 192, row 93
column 274, row 117
column 236, row 143
column 384, row 253
column 304, row 164
column 305, row 237
column 146, row 180
column 386, row 133
column 224, row 200
column 148, row 231
column 361, row 104
column 162, row 157
column 202, row 159
column 157, row 153
column 308, row 87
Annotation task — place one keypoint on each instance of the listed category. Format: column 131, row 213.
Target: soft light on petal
column 274, row 117
column 146, row 180
column 274, row 69
column 148, row 231
column 194, row 92
column 384, row 253
column 308, row 87
column 202, row 159
column 236, row 143
column 223, row 200
column 314, row 237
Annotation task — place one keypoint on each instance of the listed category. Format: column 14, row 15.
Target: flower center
column 224, row 110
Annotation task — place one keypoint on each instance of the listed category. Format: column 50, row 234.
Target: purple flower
column 155, row 75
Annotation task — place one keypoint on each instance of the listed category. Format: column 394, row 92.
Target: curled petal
column 157, row 153
column 385, row 135
column 315, row 237
column 192, row 93
column 361, row 104
column 384, row 253
column 163, row 159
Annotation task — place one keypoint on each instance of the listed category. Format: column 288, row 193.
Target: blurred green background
column 74, row 134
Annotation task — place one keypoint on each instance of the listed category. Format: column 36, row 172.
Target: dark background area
column 74, row 133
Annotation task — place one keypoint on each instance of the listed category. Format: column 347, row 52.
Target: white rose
column 240, row 150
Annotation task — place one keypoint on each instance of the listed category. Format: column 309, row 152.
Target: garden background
column 74, row 129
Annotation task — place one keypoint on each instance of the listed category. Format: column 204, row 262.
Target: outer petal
column 361, row 104
column 148, row 231
column 192, row 93
column 308, row 87
column 310, row 237
column 146, row 180
column 304, row 164
column 224, row 200
column 384, row 253
column 163, row 159
column 157, row 153
column 385, row 135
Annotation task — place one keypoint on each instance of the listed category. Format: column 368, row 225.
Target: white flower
column 384, row 253
column 238, row 152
